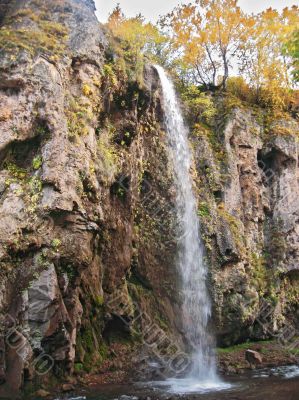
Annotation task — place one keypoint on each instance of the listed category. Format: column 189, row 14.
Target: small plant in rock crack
column 37, row 162
column 56, row 243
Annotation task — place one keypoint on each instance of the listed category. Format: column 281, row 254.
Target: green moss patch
column 40, row 35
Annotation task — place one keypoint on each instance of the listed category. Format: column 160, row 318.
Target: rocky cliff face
column 85, row 182
column 248, row 192
column 87, row 227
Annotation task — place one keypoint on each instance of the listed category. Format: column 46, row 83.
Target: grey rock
column 253, row 357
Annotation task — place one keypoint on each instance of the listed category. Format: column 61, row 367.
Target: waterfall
column 196, row 304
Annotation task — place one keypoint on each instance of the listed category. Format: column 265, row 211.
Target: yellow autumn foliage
column 210, row 40
column 134, row 39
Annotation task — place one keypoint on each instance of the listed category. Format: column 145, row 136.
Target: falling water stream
column 202, row 380
column 196, row 305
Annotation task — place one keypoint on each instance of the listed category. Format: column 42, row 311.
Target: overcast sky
column 151, row 9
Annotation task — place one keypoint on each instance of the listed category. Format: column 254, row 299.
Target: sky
column 152, row 9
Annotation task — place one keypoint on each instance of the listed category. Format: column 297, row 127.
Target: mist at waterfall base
column 196, row 304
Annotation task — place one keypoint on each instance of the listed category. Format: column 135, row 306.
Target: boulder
column 42, row 393
column 253, row 357
column 67, row 387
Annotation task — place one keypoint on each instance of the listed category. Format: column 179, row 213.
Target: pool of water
column 280, row 383
column 189, row 386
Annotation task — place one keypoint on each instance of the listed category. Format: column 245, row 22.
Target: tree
column 262, row 58
column 134, row 39
column 291, row 49
column 212, row 38
column 208, row 34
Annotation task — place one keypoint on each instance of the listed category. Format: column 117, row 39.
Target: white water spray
column 196, row 305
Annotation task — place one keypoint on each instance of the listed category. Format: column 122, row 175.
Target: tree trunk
column 225, row 76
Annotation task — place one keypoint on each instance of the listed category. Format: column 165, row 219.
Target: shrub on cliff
column 134, row 40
